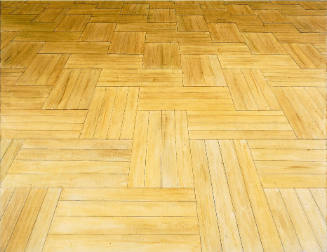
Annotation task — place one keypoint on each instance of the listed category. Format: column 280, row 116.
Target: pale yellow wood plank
column 116, row 208
column 42, row 224
column 203, row 70
column 290, row 100
column 154, row 151
column 9, row 156
column 161, row 55
column 229, row 234
column 74, row 155
column 298, row 180
column 299, row 220
column 250, row 91
column 24, row 226
column 11, row 215
column 43, row 70
column 124, row 225
column 300, row 77
column 282, row 220
column 104, row 61
column 73, row 90
column 190, row 98
column 70, row 167
column 136, row 173
column 183, row 154
column 168, row 159
column 66, row 180
column 141, row 77
column 257, row 61
column 209, row 231
column 320, row 198
column 77, row 144
column 263, row 43
column 316, row 220
column 242, row 207
column 118, row 111
column 267, row 230
column 5, row 197
column 127, row 43
column 128, row 124
column 305, row 55
column 129, row 194
column 126, row 243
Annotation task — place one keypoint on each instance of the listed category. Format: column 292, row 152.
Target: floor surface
column 163, row 126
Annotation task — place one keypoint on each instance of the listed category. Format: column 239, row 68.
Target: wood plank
column 246, row 223
column 225, row 32
column 145, row 27
column 229, row 234
column 267, row 230
column 124, row 225
column 11, row 215
column 24, row 226
column 129, row 194
column 296, row 78
column 250, row 91
column 108, row 111
column 43, row 70
column 66, row 180
column 257, row 61
column 127, row 43
column 75, row 47
column 282, row 220
column 291, row 100
column 98, row 32
column 161, row 55
column 127, row 243
column 73, row 90
column 192, row 23
column 202, row 71
column 299, row 220
column 305, row 55
column 161, row 15
column 104, row 61
column 9, row 156
column 263, row 43
column 316, row 220
column 47, row 36
column 116, row 208
column 137, row 77
column 209, row 231
column 42, row 224
column 190, row 98
column 73, row 23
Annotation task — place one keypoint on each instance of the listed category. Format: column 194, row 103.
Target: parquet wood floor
column 163, row 126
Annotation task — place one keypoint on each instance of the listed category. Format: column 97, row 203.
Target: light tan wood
column 169, row 126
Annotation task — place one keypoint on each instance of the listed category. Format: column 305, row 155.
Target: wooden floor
column 163, row 126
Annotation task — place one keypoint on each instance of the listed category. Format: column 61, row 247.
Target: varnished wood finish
column 163, row 126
